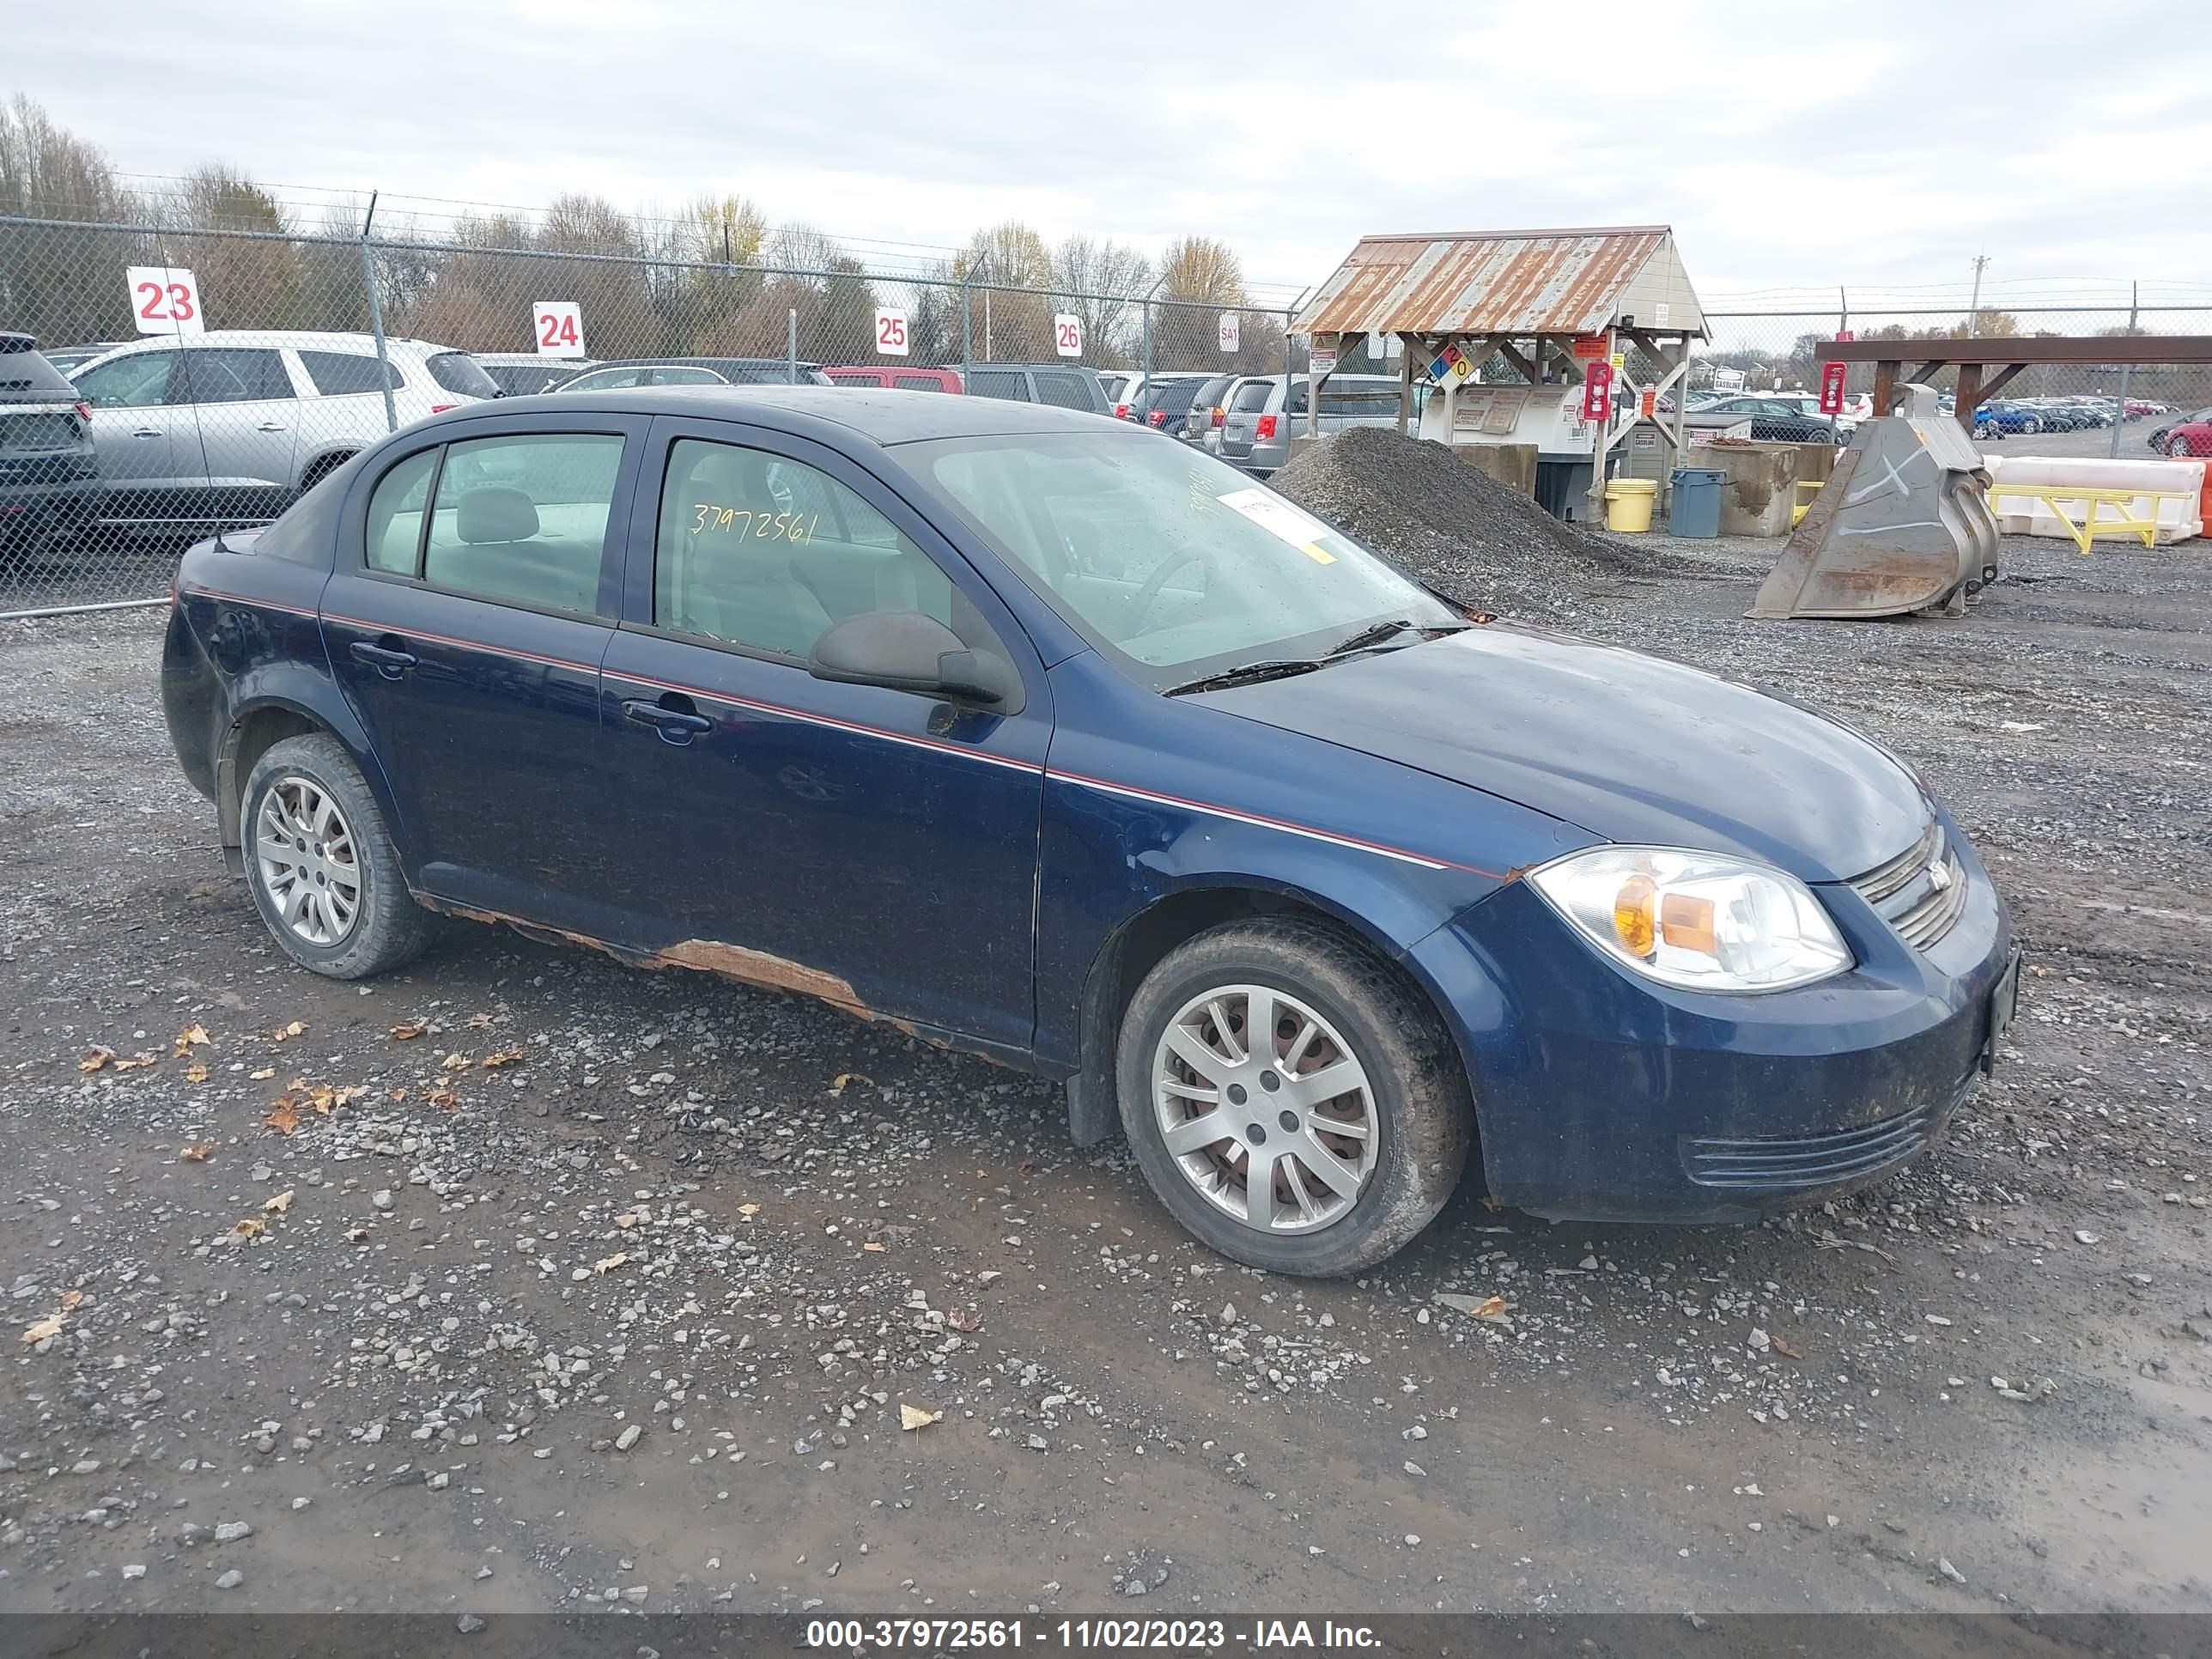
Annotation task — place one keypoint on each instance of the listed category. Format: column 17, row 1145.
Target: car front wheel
column 324, row 872
column 1295, row 1104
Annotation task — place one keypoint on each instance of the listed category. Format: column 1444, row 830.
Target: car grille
column 1921, row 892
column 38, row 432
column 1779, row 1164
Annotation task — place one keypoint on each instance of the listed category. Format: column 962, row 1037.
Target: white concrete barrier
column 2172, row 493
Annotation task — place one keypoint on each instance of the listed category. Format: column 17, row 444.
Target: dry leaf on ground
column 960, row 1319
column 442, row 1097
column 455, row 1062
column 504, row 1057
column 281, row 1203
column 748, row 1210
column 286, row 1033
column 263, row 1074
column 607, row 1264
column 913, row 1417
column 1785, row 1350
column 134, row 1065
column 195, row 1074
column 94, row 1060
column 196, row 1152
column 846, row 1079
column 71, row 1300
column 192, row 1037
column 479, row 1021
column 50, row 1326
column 409, row 1031
column 283, row 1116
column 250, row 1227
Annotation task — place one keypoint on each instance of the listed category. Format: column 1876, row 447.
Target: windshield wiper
column 1246, row 673
column 1378, row 632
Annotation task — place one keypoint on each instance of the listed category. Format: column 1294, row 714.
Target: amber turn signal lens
column 1632, row 917
column 1686, row 924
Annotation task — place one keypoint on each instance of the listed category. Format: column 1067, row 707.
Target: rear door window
column 523, row 519
column 395, row 515
column 1066, row 391
column 1009, row 383
column 341, row 374
column 229, row 374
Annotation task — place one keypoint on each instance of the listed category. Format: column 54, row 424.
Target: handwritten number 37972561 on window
column 762, row 526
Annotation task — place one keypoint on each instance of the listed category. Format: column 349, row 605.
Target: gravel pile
column 1458, row 529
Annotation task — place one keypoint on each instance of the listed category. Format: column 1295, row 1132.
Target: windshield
column 1171, row 561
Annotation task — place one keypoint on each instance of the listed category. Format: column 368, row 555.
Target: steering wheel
column 1149, row 594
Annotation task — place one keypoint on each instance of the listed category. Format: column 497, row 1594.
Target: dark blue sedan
column 1029, row 734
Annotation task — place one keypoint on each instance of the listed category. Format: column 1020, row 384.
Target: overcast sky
column 1791, row 145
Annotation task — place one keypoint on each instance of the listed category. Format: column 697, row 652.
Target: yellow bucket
column 1628, row 503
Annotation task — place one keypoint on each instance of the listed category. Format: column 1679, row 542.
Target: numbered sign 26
column 1067, row 334
column 1229, row 331
column 165, row 300
column 891, row 331
column 558, row 326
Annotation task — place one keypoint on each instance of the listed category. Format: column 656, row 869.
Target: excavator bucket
column 1902, row 527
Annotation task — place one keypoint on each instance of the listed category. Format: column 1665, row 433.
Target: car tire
column 1412, row 1091
column 345, row 849
column 2030, row 427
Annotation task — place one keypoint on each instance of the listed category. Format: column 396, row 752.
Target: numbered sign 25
column 1067, row 334
column 891, row 331
column 165, row 300
column 558, row 327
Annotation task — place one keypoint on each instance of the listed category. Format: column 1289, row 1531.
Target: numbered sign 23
column 558, row 326
column 165, row 300
column 1067, row 334
column 891, row 331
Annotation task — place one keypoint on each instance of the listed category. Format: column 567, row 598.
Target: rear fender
column 307, row 690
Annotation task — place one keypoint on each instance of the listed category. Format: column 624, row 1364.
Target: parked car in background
column 2161, row 432
column 1773, row 420
column 2006, row 418
column 1121, row 386
column 1026, row 735
column 1065, row 385
column 1202, row 421
column 2191, row 440
column 229, row 427
column 69, row 358
column 49, row 469
column 524, row 373
column 899, row 379
column 626, row 372
column 1264, row 415
column 1164, row 400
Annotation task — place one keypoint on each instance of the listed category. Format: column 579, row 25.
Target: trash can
column 1697, row 509
column 1628, row 503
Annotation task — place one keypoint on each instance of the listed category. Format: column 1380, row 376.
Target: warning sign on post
column 559, row 326
column 165, row 300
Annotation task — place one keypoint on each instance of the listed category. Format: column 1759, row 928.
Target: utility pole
column 1974, row 305
column 2120, row 414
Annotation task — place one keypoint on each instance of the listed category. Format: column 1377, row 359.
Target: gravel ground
column 524, row 1281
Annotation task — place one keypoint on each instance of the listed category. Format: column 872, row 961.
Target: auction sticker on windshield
column 1279, row 518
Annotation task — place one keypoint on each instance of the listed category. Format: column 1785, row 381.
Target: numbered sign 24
column 165, row 300
column 1067, row 334
column 558, row 326
column 891, row 331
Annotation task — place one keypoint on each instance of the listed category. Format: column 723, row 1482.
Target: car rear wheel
column 324, row 872
column 1294, row 1104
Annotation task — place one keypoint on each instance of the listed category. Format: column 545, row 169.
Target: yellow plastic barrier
column 1628, row 504
column 1797, row 513
column 2090, row 526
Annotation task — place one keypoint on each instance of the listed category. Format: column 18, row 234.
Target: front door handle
column 148, row 432
column 272, row 426
column 674, row 717
column 389, row 660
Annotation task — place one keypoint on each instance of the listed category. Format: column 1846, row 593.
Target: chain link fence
column 218, row 373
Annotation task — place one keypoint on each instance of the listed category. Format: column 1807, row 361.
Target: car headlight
column 1700, row 921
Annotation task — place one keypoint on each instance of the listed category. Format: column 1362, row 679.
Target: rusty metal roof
column 1505, row 281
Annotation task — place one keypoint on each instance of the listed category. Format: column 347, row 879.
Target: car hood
column 1630, row 747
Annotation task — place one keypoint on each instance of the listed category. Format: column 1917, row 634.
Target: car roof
column 699, row 362
column 877, row 413
column 296, row 338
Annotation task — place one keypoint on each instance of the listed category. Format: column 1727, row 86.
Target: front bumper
column 1603, row 1097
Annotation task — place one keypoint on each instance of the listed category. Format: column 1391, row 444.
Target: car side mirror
column 906, row 651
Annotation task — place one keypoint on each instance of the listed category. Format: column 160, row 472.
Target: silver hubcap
column 304, row 848
column 1265, row 1109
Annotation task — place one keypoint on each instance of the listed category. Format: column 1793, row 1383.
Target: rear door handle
column 674, row 717
column 388, row 660
column 148, row 432
column 272, row 426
